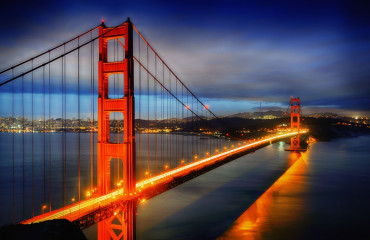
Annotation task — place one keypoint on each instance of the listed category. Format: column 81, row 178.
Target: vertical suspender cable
column 62, row 130
column 118, row 120
column 196, row 138
column 65, row 130
column 183, row 125
column 93, row 114
column 44, row 133
column 147, row 84
column 92, row 117
column 63, row 134
column 177, row 117
column 169, row 122
column 162, row 119
column 79, row 121
column 187, row 115
column 155, row 111
column 193, row 131
column 140, row 154
column 49, row 139
column 167, row 138
column 167, row 126
column 33, row 207
column 62, row 68
column 210, row 149
column 13, row 150
column 23, row 129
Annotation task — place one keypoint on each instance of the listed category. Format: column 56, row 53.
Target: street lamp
column 43, row 208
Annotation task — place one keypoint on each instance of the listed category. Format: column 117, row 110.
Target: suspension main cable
column 179, row 78
column 166, row 88
column 172, row 71
column 48, row 51
column 58, row 57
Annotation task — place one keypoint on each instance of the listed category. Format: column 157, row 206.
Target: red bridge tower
column 107, row 150
column 294, row 122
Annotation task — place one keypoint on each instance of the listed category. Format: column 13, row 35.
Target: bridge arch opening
column 116, row 127
column 115, row 49
column 116, row 86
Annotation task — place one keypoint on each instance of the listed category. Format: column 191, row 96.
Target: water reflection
column 280, row 206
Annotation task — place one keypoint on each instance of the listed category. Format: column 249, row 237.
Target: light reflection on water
column 279, row 206
column 276, row 208
column 202, row 203
column 206, row 206
column 324, row 194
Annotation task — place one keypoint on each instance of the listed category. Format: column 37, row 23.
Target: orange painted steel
column 106, row 149
column 118, row 225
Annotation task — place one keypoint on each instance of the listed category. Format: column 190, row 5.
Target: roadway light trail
column 74, row 211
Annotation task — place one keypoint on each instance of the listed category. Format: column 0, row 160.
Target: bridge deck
column 85, row 207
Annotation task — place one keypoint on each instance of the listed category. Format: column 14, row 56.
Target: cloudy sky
column 232, row 54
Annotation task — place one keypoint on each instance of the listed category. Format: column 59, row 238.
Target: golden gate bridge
column 101, row 123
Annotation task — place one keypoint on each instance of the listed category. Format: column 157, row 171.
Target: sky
column 234, row 55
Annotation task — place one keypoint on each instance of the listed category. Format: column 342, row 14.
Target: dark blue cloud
column 229, row 50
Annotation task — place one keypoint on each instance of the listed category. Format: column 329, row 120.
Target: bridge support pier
column 121, row 225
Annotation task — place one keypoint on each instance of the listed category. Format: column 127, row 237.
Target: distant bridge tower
column 294, row 122
column 107, row 150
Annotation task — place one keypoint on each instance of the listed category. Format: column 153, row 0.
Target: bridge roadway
column 88, row 206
